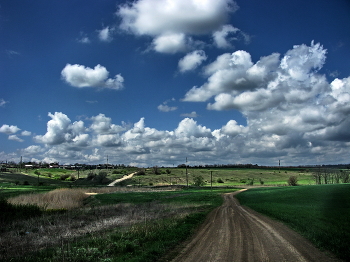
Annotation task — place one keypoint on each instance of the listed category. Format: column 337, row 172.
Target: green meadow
column 320, row 213
column 156, row 217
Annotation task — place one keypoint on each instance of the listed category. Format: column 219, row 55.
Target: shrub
column 16, row 182
column 37, row 172
column 198, row 181
column 90, row 176
column 292, row 181
column 26, row 183
column 168, row 171
column 140, row 173
column 220, row 180
column 101, row 178
column 64, row 177
column 155, row 170
column 250, row 182
column 261, row 182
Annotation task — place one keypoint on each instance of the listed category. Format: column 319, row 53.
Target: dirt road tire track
column 235, row 233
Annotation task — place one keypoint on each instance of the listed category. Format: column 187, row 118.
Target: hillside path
column 235, row 233
column 121, row 179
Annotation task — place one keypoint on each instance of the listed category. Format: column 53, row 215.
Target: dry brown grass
column 20, row 237
column 66, row 198
column 57, row 199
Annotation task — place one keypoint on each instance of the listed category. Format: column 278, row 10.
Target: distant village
column 34, row 165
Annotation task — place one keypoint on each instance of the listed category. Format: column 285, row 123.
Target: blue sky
column 151, row 82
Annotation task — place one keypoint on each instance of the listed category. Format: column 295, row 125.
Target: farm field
column 163, row 177
column 119, row 226
column 232, row 176
column 320, row 213
column 113, row 220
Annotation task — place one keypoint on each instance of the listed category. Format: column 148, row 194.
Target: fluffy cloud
column 221, row 36
column 81, row 76
column 57, row 128
column 292, row 113
column 60, row 130
column 188, row 128
column 103, row 125
column 236, row 82
column 15, row 138
column 105, row 34
column 170, row 43
column 32, row 150
column 166, row 108
column 193, row 114
column 26, row 133
column 192, row 60
column 171, row 22
column 7, row 129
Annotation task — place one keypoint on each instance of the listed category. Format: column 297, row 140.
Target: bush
column 220, row 180
column 250, row 182
column 101, row 177
column 140, row 173
column 64, row 177
column 37, row 172
column 292, row 181
column 26, row 183
column 198, row 181
column 90, row 176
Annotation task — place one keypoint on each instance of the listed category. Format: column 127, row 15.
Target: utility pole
column 279, row 166
column 186, row 173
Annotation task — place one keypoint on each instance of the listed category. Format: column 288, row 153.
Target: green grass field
column 320, row 213
column 166, row 176
column 227, row 176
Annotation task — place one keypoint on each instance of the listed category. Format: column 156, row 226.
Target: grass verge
column 319, row 213
column 140, row 226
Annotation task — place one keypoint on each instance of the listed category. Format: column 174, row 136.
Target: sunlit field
column 320, row 213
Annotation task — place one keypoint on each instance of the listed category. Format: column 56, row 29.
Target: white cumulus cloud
column 105, row 34
column 192, row 60
column 7, row 129
column 15, row 138
column 81, row 76
column 171, row 22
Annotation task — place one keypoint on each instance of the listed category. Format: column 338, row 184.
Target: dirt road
column 121, row 179
column 236, row 233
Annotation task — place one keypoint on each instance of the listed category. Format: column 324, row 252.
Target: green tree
column 198, row 181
